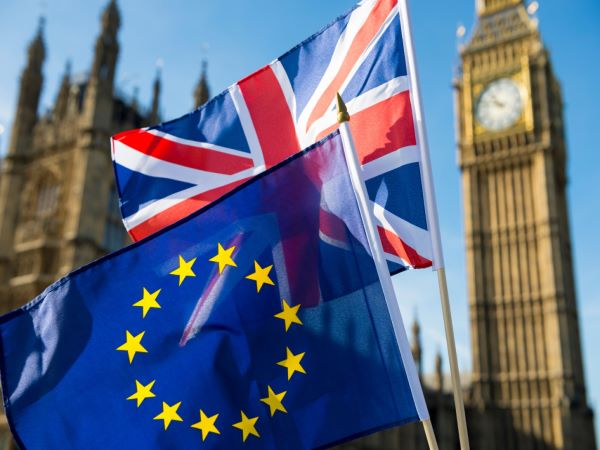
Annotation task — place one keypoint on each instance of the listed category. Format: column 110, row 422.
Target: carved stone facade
column 56, row 187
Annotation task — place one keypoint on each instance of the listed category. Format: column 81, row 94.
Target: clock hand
column 497, row 102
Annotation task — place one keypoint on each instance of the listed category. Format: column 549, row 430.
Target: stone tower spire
column 29, row 94
column 98, row 97
column 416, row 349
column 527, row 359
column 107, row 47
column 202, row 91
column 439, row 371
column 154, row 114
column 89, row 188
column 11, row 170
column 492, row 6
column 62, row 98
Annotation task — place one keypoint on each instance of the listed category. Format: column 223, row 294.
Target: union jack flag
column 168, row 171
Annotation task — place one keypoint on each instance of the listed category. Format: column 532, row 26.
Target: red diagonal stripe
column 362, row 39
column 332, row 226
column 382, row 128
column 179, row 211
column 270, row 115
column 393, row 245
column 185, row 155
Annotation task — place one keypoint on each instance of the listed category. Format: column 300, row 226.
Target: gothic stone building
column 57, row 196
column 526, row 392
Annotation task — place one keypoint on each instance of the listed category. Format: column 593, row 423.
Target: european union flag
column 257, row 323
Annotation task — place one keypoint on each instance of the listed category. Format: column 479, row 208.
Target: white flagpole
column 366, row 212
column 432, row 222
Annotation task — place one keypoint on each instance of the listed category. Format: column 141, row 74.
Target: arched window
column 47, row 198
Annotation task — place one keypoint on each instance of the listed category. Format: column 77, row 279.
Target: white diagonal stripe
column 331, row 110
column 414, row 236
column 391, row 161
column 357, row 19
column 384, row 26
column 246, row 120
column 365, row 100
column 148, row 165
column 158, row 206
column 396, row 259
column 198, row 144
column 288, row 93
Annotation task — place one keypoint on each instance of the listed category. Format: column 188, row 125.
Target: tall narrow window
column 115, row 235
column 47, row 199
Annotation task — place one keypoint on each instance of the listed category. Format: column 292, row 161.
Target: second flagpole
column 432, row 221
column 382, row 269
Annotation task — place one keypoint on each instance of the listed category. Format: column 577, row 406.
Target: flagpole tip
column 342, row 115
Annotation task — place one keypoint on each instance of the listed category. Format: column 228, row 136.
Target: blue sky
column 239, row 36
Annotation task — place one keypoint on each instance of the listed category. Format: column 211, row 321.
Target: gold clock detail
column 500, row 105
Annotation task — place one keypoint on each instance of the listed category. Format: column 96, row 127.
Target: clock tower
column 527, row 364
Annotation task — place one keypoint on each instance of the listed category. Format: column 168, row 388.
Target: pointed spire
column 29, row 93
column 37, row 49
column 154, row 116
column 202, row 91
column 62, row 99
column 98, row 102
column 439, row 371
column 492, row 6
column 111, row 18
column 134, row 98
column 107, row 47
column 67, row 73
column 416, row 344
column 133, row 114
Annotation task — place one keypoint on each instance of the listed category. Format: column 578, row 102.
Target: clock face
column 500, row 105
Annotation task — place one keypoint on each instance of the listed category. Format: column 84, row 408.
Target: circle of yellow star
column 289, row 315
column 142, row 392
column 184, row 270
column 148, row 301
column 206, row 425
column 247, row 425
column 223, row 257
column 169, row 414
column 261, row 276
column 274, row 401
column 292, row 363
column 132, row 345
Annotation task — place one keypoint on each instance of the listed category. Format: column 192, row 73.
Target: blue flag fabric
column 203, row 334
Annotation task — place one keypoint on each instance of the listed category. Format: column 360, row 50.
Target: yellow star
column 292, row 362
column 247, row 426
column 206, row 425
column 274, row 401
column 142, row 392
column 148, row 302
column 289, row 315
column 169, row 414
column 184, row 270
column 132, row 345
column 223, row 257
column 261, row 276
